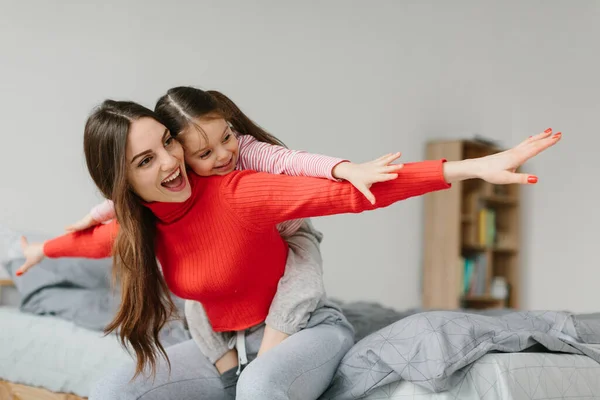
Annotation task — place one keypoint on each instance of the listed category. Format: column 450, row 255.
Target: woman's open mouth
column 174, row 182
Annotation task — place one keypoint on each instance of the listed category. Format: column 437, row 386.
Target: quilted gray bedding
column 432, row 349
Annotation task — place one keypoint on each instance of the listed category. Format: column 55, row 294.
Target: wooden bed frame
column 14, row 391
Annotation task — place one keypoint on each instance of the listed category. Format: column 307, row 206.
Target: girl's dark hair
column 181, row 105
column 146, row 304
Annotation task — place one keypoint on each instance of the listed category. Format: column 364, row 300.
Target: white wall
column 347, row 78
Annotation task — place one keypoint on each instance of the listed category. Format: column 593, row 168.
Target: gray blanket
column 78, row 290
column 435, row 349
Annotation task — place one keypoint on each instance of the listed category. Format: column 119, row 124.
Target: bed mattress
column 513, row 376
column 55, row 354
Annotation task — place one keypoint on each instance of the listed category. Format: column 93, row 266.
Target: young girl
column 243, row 146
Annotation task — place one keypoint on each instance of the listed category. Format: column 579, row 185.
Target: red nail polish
column 532, row 179
column 19, row 273
column 557, row 135
column 548, row 130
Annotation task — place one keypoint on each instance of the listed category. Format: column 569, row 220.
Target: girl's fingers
column 387, row 177
column 383, row 157
column 390, row 168
column 390, row 158
column 367, row 193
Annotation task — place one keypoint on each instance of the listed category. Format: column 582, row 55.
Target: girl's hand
column 82, row 224
column 362, row 176
column 500, row 168
column 34, row 254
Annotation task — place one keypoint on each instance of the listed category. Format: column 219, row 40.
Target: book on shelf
column 461, row 275
column 487, row 227
column 474, row 275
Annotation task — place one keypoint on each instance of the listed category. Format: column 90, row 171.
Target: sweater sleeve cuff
column 331, row 164
column 441, row 163
column 434, row 171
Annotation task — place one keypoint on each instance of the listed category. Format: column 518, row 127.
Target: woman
column 246, row 146
column 228, row 223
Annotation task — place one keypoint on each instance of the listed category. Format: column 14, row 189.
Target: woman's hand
column 34, row 254
column 362, row 176
column 500, row 168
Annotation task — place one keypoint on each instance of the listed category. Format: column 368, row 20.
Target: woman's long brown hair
column 146, row 304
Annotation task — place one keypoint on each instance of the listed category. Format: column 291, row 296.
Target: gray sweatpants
column 300, row 368
column 299, row 291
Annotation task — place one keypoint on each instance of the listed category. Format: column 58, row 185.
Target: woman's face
column 211, row 148
column 155, row 163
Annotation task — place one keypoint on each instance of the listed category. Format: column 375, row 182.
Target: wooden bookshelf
column 473, row 221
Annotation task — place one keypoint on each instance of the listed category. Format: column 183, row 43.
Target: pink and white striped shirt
column 261, row 157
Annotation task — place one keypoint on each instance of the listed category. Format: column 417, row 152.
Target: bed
column 507, row 354
column 55, row 342
column 512, row 376
column 58, row 355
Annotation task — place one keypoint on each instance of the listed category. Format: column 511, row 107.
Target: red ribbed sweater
column 221, row 246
